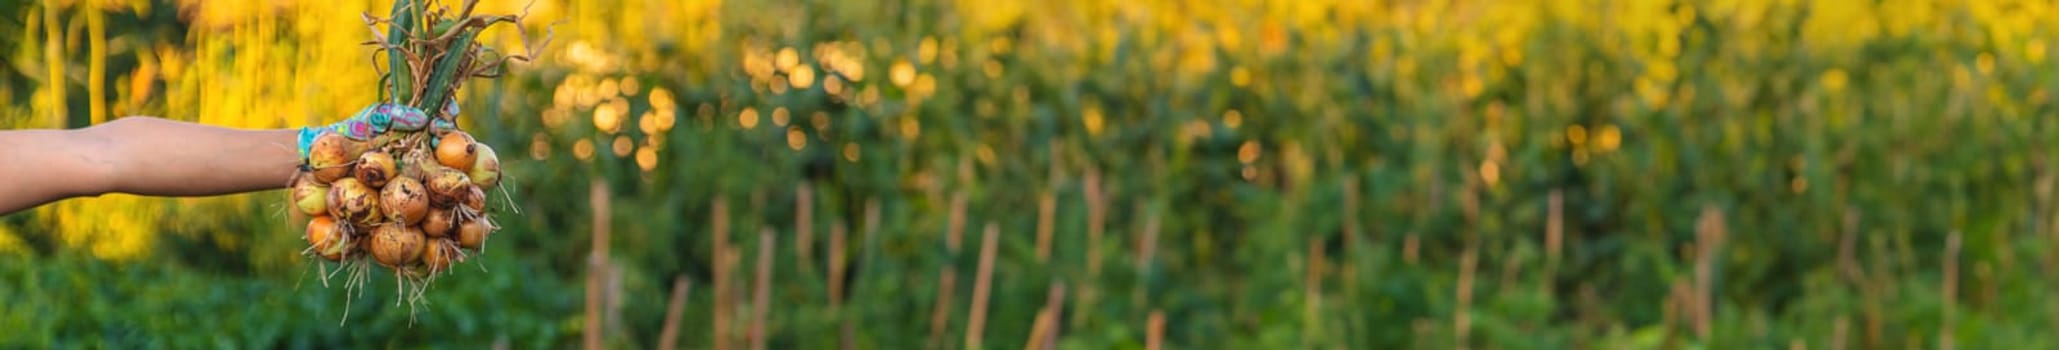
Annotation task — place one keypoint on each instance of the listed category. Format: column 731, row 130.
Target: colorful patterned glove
column 438, row 126
column 367, row 124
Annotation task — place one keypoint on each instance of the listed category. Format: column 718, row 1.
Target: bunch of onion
column 417, row 213
column 413, row 197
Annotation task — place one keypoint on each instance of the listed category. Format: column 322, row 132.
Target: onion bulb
column 404, row 201
column 396, row 246
column 439, row 254
column 457, row 150
column 353, row 202
column 439, row 222
column 330, row 157
column 447, row 186
column 375, row 168
column 474, row 198
column 323, row 236
column 485, row 167
column 312, row 197
column 472, row 233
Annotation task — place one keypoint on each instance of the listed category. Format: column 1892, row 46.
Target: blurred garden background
column 1236, row 174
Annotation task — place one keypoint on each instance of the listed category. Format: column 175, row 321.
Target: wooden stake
column 1147, row 246
column 1154, row 336
column 1037, row 328
column 870, row 232
column 1044, row 332
column 1946, row 339
column 1047, row 211
column 1709, row 236
column 761, row 294
column 1871, row 294
column 719, row 232
column 1462, row 322
column 1553, row 227
column 836, row 265
column 837, row 261
column 940, row 314
column 668, row 337
column 1147, row 242
column 1411, row 248
column 955, row 228
column 1312, row 289
column 1838, row 331
column 1351, row 245
column 871, row 216
column 1097, row 214
column 1047, row 204
column 1055, row 305
column 1676, row 305
column 804, row 224
column 981, row 288
column 596, row 264
column 1350, row 216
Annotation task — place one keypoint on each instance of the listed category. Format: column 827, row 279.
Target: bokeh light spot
column 748, row 119
column 623, row 146
column 583, row 150
column 796, row 139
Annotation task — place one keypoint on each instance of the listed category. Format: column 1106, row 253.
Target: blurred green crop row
column 1327, row 174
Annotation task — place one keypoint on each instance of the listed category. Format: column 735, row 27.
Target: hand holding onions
column 400, row 195
column 394, row 185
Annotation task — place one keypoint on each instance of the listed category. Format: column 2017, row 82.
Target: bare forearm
column 147, row 156
column 170, row 158
column 40, row 166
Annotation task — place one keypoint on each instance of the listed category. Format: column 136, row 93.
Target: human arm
column 145, row 156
